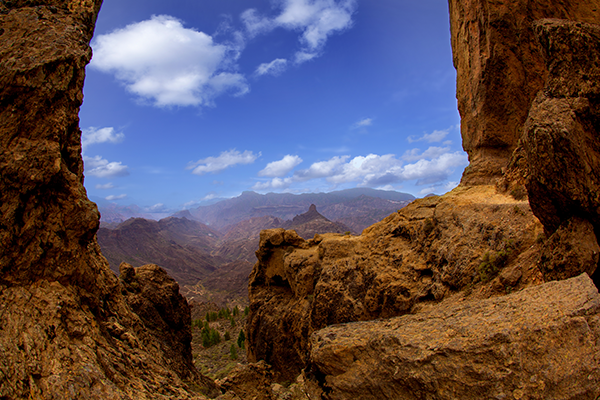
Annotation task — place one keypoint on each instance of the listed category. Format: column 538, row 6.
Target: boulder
column 539, row 343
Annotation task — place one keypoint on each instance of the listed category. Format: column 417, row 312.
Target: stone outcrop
column 433, row 282
column 500, row 70
column 154, row 296
column 540, row 343
column 472, row 239
column 66, row 329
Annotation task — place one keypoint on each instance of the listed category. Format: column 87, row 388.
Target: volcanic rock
column 500, row 70
column 66, row 329
column 472, row 239
column 540, row 343
column 154, row 296
column 561, row 138
column 312, row 223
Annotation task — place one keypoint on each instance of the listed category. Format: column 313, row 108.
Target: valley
column 212, row 260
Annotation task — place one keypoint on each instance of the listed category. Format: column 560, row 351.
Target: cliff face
column 500, row 69
column 525, row 214
column 66, row 329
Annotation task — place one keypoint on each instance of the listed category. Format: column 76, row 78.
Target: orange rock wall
column 500, row 69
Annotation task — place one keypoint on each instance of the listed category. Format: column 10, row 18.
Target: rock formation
column 433, row 248
column 66, row 329
column 500, row 70
column 433, row 282
column 540, row 343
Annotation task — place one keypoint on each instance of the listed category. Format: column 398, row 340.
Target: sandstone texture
column 500, row 70
column 472, row 240
column 66, row 328
column 540, row 343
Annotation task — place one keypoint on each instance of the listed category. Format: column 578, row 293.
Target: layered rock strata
column 66, row 329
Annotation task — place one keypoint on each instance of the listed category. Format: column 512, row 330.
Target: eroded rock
column 540, row 343
column 561, row 138
column 500, row 69
column 423, row 253
column 66, row 329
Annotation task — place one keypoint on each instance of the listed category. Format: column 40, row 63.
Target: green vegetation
column 241, row 340
column 246, row 311
column 233, row 352
column 491, row 263
column 210, row 336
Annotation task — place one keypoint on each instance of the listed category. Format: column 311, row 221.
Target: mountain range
column 210, row 250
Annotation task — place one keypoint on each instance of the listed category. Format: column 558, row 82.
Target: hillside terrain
column 210, row 265
column 489, row 291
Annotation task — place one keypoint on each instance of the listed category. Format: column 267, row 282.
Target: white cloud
column 113, row 197
column 106, row 186
column 101, row 168
column 161, row 61
column 364, row 122
column 94, row 135
column 281, row 167
column 315, row 19
column 435, row 136
column 225, row 160
column 431, row 171
column 274, row 68
column 157, row 208
column 431, row 152
column 275, row 183
column 373, row 171
column 321, row 169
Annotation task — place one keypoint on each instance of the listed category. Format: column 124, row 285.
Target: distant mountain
column 112, row 213
column 181, row 246
column 285, row 206
column 310, row 223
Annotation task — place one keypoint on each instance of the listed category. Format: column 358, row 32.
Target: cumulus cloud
column 316, row 20
column 431, row 171
column 94, row 135
column 275, row 67
column 373, row 171
column 431, row 152
column 106, row 186
column 115, row 197
column 162, row 61
column 321, row 169
column 101, row 168
column 225, row 160
column 435, row 136
column 282, row 167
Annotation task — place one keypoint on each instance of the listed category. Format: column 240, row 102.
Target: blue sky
column 191, row 100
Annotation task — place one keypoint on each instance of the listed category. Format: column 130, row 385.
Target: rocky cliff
column 455, row 292
column 500, row 70
column 67, row 330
